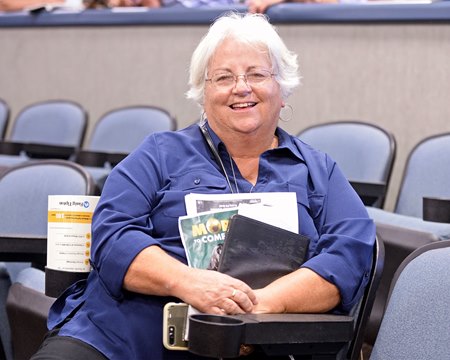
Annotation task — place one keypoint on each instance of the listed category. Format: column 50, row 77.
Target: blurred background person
column 17, row 5
column 261, row 6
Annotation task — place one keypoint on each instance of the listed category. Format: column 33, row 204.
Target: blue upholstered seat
column 426, row 174
column 24, row 191
column 363, row 151
column 117, row 133
column 441, row 230
column 122, row 130
column 49, row 129
column 416, row 322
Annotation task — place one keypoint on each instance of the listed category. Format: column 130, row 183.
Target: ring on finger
column 234, row 293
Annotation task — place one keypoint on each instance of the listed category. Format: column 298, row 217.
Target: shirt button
column 197, row 181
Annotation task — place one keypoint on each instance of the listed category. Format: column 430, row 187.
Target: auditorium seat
column 24, row 191
column 117, row 133
column 365, row 153
column 426, row 174
column 416, row 322
column 45, row 129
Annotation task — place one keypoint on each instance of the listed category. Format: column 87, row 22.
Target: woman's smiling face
column 241, row 107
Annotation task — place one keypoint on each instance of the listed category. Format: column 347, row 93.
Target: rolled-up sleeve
column 344, row 250
column 122, row 224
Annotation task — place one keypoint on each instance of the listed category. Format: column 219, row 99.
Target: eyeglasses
column 227, row 80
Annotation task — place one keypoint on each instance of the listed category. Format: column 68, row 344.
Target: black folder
column 259, row 253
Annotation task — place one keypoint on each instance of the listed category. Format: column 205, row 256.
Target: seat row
column 26, row 187
column 421, row 214
column 360, row 149
column 366, row 155
column 56, row 129
column 24, row 191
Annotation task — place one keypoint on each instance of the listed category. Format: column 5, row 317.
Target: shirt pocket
column 310, row 209
column 172, row 202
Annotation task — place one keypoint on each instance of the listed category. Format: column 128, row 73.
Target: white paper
column 275, row 208
column 69, row 232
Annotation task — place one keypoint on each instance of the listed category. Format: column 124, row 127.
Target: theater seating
column 117, row 133
column 24, row 191
column 46, row 129
column 416, row 322
column 364, row 152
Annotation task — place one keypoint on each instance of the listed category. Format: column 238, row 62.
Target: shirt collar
column 285, row 141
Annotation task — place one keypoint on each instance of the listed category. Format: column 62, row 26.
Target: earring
column 290, row 115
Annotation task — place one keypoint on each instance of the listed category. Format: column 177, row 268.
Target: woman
column 241, row 74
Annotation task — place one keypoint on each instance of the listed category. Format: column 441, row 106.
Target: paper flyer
column 275, row 208
column 69, row 232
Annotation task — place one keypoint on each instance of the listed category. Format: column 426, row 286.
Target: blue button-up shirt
column 140, row 205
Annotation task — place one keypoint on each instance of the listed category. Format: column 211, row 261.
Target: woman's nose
column 241, row 84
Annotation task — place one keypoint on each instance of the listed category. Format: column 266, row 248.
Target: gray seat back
column 122, row 130
column 416, row 322
column 24, row 191
column 426, row 174
column 363, row 151
column 55, row 122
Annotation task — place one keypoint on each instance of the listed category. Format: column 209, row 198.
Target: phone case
column 174, row 326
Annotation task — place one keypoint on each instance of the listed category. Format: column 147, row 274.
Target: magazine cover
column 203, row 236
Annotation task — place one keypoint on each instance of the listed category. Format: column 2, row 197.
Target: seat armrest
column 49, row 151
column 11, row 148
column 369, row 192
column 91, row 158
column 436, row 209
column 115, row 158
column 98, row 158
column 23, row 248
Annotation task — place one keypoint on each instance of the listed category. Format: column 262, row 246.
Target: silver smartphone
column 174, row 326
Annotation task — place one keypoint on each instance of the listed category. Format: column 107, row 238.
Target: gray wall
column 396, row 76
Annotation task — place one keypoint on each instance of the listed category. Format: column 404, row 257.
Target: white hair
column 253, row 29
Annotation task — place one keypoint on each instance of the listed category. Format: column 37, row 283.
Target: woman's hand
column 215, row 293
column 154, row 272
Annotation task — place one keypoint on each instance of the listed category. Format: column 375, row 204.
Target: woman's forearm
column 302, row 291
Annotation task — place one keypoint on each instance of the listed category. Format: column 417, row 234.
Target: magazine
column 203, row 236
